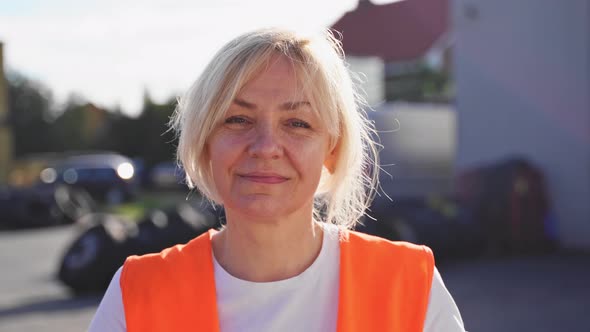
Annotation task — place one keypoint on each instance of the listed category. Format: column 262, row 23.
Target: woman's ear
column 332, row 157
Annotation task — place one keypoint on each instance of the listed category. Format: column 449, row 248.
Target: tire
column 92, row 259
column 72, row 203
column 161, row 229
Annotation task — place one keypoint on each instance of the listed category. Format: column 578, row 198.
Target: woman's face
column 267, row 154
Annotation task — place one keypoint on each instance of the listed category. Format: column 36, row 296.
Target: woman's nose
column 266, row 143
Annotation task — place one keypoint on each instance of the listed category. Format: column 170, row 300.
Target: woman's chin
column 262, row 208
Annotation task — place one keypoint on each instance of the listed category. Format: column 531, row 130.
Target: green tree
column 147, row 136
column 30, row 116
column 68, row 128
column 420, row 84
column 158, row 142
column 78, row 125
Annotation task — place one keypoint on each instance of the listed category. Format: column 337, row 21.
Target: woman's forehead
column 286, row 81
column 278, row 80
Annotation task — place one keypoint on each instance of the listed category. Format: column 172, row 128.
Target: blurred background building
column 403, row 51
column 413, row 41
column 520, row 88
column 522, row 75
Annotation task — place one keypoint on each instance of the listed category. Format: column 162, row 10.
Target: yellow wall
column 5, row 131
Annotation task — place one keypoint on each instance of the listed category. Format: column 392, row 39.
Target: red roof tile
column 397, row 31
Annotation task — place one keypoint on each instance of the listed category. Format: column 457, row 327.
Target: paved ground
column 30, row 297
column 549, row 293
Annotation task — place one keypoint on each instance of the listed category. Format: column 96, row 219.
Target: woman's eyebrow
column 245, row 104
column 293, row 105
column 287, row 106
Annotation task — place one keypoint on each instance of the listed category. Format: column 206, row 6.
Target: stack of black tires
column 511, row 201
column 102, row 247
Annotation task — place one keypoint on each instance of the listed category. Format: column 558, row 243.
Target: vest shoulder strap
column 384, row 285
column 158, row 296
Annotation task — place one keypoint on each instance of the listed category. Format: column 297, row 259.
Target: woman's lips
column 264, row 178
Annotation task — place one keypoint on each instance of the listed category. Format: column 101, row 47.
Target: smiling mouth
column 267, row 179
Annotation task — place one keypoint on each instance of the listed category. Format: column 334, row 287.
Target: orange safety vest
column 384, row 286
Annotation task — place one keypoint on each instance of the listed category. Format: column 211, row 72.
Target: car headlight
column 48, row 175
column 125, row 171
column 70, row 176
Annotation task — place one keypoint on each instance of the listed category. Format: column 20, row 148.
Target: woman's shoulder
column 169, row 258
column 371, row 244
column 376, row 240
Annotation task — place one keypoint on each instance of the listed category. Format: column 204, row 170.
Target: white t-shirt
column 306, row 302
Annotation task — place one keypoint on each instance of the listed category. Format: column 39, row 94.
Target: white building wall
column 417, row 148
column 522, row 70
column 370, row 73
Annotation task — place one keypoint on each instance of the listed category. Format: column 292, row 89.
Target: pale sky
column 110, row 51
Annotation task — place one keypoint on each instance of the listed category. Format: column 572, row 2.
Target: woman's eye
column 236, row 120
column 299, row 124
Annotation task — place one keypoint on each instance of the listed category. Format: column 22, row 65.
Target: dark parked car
column 107, row 177
column 42, row 206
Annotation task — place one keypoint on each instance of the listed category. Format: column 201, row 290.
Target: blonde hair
column 345, row 192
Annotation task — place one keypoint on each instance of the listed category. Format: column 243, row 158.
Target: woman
column 272, row 131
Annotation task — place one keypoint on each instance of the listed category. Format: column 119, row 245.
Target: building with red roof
column 409, row 36
column 398, row 31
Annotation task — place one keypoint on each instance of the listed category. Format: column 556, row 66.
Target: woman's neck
column 267, row 251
